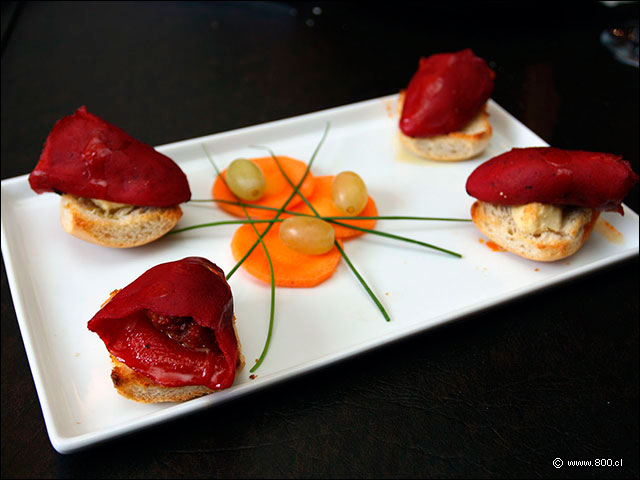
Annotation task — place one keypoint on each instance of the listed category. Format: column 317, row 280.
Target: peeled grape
column 349, row 193
column 245, row 179
column 307, row 235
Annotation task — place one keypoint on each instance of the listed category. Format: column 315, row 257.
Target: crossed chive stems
column 333, row 220
column 266, row 252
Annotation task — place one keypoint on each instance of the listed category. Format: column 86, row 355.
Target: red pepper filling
column 552, row 175
column 90, row 158
column 136, row 342
column 185, row 331
column 174, row 324
column 446, row 92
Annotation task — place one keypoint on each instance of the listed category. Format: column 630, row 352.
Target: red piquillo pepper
column 174, row 324
column 552, row 175
column 446, row 92
column 88, row 157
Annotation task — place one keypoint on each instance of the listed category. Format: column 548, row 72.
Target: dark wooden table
column 500, row 394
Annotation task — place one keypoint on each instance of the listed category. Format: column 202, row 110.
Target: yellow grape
column 245, row 179
column 349, row 193
column 307, row 235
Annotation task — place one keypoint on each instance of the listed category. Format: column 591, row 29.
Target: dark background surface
column 498, row 394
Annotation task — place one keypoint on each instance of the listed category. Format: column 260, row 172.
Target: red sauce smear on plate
column 494, row 246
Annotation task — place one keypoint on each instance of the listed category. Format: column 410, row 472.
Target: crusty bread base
column 133, row 228
column 496, row 222
column 135, row 386
column 454, row 146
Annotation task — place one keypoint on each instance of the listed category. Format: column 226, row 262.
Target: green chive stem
column 364, row 284
column 337, row 244
column 328, row 219
column 223, row 222
column 273, row 283
column 345, row 217
column 284, row 205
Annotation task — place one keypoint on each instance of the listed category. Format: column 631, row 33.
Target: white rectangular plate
column 59, row 282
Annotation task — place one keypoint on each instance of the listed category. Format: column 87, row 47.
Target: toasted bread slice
column 496, row 222
column 135, row 386
column 115, row 225
column 454, row 146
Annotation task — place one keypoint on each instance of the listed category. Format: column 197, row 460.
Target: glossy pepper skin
column 192, row 287
column 446, row 92
column 556, row 176
column 88, row 157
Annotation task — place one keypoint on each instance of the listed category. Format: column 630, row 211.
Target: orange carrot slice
column 323, row 204
column 290, row 268
column 277, row 188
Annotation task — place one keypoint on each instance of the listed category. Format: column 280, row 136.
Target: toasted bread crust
column 130, row 227
column 137, row 387
column 495, row 222
column 454, row 146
